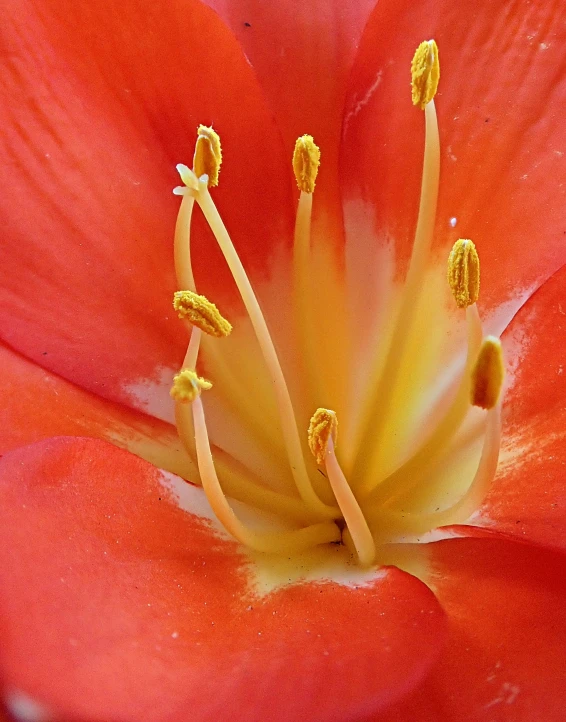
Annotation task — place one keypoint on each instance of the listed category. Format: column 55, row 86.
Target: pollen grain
column 203, row 314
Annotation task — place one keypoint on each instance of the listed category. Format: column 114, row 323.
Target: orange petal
column 135, row 609
column 505, row 656
column 36, row 405
column 302, row 53
column 91, row 134
column 503, row 176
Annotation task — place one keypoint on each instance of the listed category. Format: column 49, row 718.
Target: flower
column 118, row 604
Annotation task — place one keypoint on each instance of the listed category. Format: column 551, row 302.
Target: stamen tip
column 187, row 386
column 323, row 426
column 488, row 374
column 202, row 313
column 306, row 161
column 208, row 154
column 464, row 272
column 425, row 73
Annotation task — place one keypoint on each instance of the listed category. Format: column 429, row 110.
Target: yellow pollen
column 322, row 427
column 306, row 160
column 464, row 272
column 203, row 314
column 488, row 374
column 187, row 386
column 425, row 73
column 208, row 155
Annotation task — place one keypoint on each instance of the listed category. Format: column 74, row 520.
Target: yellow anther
column 187, row 386
column 322, row 427
column 306, row 160
column 425, row 73
column 208, row 155
column 488, row 374
column 464, row 272
column 199, row 311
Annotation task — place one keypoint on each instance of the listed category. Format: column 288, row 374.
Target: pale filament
column 353, row 515
column 302, row 292
column 286, row 412
column 293, row 541
column 409, row 474
column 185, row 280
column 366, row 467
column 387, row 523
column 184, row 270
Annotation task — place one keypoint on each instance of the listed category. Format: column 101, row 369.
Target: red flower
column 120, row 598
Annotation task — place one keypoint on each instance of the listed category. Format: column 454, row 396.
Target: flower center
column 367, row 506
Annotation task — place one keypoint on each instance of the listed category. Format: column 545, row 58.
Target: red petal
column 503, row 175
column 505, row 660
column 302, row 53
column 528, row 497
column 35, row 405
column 119, row 605
column 97, row 105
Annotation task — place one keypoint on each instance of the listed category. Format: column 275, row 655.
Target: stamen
column 273, row 542
column 409, row 474
column 388, row 523
column 425, row 73
column 323, row 426
column 322, row 433
column 286, row 412
column 306, row 160
column 208, row 155
column 302, row 270
column 370, row 446
column 488, row 374
column 187, row 386
column 464, row 273
column 200, row 312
